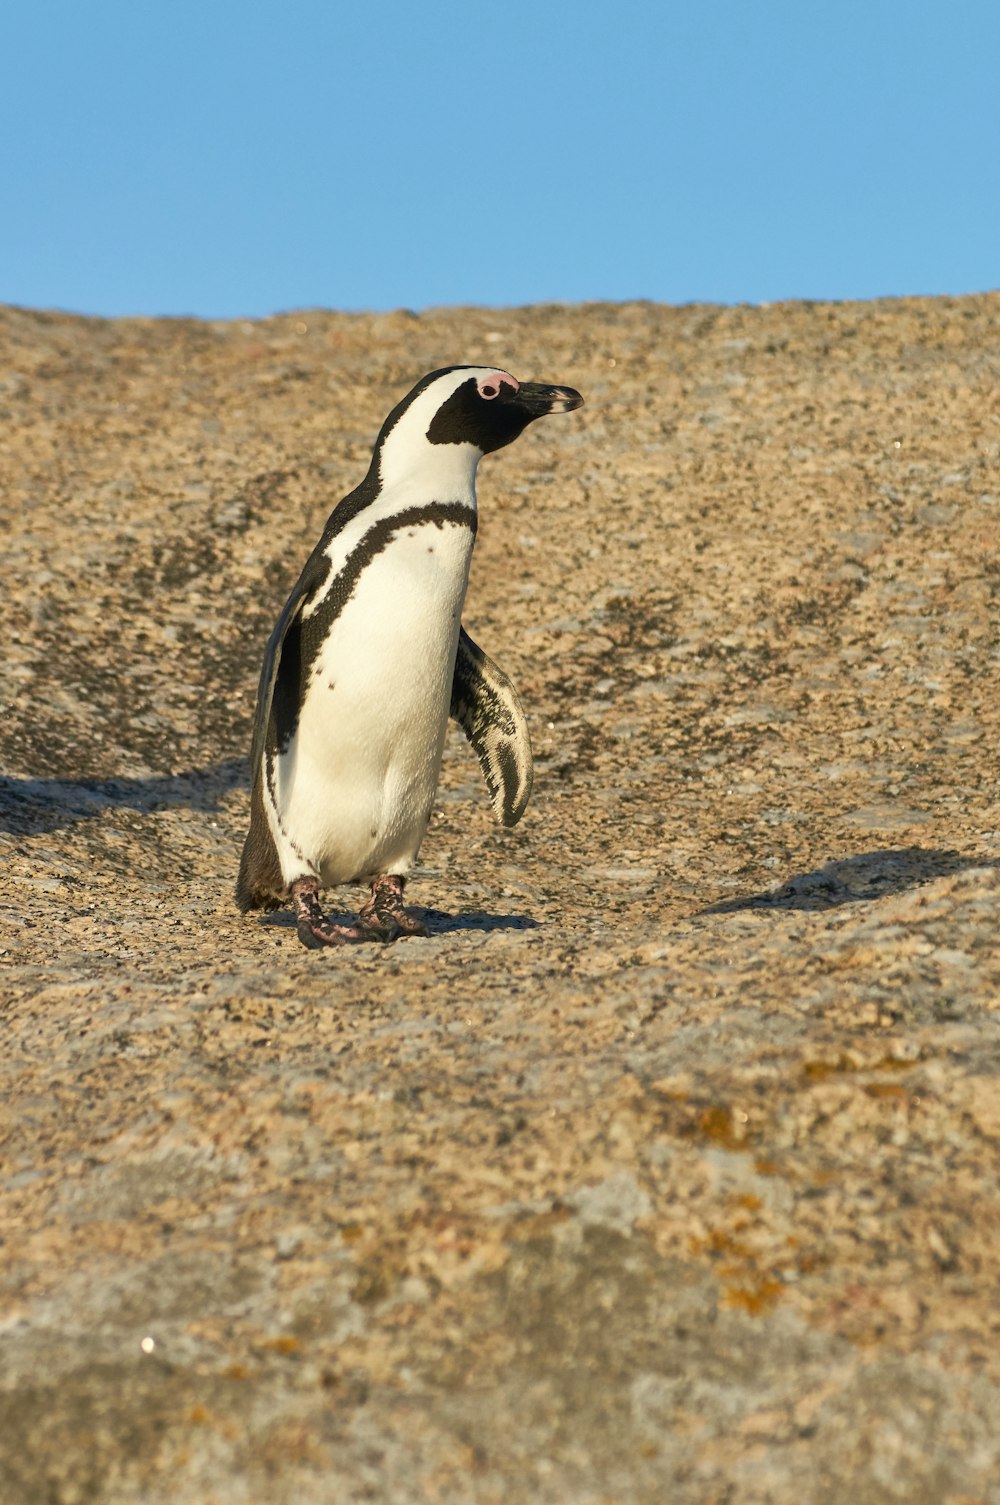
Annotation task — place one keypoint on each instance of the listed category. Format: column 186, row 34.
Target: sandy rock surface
column 666, row 1167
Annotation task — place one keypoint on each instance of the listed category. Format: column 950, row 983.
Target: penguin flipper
column 277, row 694
column 486, row 707
column 260, row 884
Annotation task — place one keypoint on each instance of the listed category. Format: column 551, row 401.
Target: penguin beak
column 539, row 398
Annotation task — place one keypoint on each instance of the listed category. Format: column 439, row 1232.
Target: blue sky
column 234, row 160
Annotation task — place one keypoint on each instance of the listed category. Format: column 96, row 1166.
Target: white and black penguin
column 369, row 658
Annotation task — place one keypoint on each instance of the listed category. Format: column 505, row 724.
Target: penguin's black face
column 491, row 408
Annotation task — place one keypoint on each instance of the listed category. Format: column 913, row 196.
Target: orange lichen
column 283, row 1343
column 753, row 1299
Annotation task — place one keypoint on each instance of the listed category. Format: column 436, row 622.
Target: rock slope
column 665, row 1168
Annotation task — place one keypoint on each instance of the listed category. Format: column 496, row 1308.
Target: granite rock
column 665, row 1167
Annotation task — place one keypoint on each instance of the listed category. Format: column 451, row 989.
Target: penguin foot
column 326, row 933
column 384, row 917
column 385, row 914
column 314, row 928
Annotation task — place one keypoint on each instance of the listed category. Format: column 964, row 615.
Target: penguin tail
column 249, row 892
column 259, row 883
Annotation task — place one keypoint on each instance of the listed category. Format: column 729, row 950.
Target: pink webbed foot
column 383, row 918
column 313, row 927
column 385, row 911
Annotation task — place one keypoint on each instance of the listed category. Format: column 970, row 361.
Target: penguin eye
column 490, row 388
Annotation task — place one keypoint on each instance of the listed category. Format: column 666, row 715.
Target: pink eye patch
column 489, row 386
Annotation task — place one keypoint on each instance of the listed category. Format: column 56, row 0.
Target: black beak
column 539, row 398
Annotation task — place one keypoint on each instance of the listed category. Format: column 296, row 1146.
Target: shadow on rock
column 871, row 875
column 437, row 922
column 29, row 805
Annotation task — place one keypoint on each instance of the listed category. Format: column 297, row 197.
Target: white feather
column 351, row 795
column 356, row 785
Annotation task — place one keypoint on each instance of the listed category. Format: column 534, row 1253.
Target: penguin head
column 476, row 408
column 490, row 408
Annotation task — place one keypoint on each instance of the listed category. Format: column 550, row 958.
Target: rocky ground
column 666, row 1167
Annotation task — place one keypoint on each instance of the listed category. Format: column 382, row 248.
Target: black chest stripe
column 305, row 637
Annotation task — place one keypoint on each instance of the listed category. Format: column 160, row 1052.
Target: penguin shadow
column 29, row 806
column 436, row 921
column 440, row 923
column 853, row 880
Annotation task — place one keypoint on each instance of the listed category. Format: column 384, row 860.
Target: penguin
column 368, row 659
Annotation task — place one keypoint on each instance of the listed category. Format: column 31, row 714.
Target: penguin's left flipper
column 280, row 688
column 486, row 707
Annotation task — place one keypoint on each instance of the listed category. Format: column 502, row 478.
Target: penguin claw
column 407, row 923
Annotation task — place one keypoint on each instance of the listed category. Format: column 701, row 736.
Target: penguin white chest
column 356, row 785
